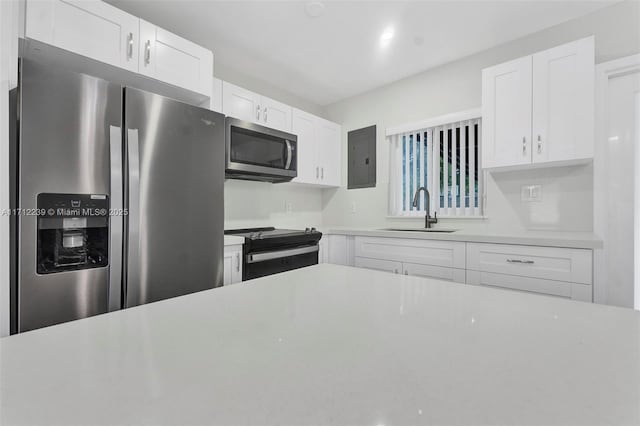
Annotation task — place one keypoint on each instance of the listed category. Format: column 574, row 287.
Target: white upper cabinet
column 330, row 152
column 563, row 102
column 246, row 105
column 240, row 103
column 90, row 28
column 99, row 31
column 319, row 150
column 174, row 60
column 540, row 109
column 506, row 114
column 304, row 126
column 276, row 114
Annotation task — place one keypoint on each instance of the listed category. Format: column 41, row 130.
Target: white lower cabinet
column 232, row 264
column 379, row 264
column 323, row 250
column 425, row 258
column 554, row 271
column 574, row 291
column 449, row 254
column 430, row 271
column 340, row 249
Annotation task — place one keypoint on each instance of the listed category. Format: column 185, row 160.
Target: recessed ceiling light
column 314, row 9
column 386, row 37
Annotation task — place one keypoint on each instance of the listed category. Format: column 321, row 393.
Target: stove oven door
column 272, row 262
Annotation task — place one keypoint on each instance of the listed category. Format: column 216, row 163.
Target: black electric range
column 269, row 250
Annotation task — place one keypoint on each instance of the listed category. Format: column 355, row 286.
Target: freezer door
column 175, row 201
column 66, row 123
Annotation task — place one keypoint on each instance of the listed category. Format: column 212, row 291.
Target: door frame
column 604, row 72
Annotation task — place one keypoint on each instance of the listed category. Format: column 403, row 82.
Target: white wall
column 567, row 192
column 255, row 204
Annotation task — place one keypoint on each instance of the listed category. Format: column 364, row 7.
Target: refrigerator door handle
column 133, row 286
column 116, row 230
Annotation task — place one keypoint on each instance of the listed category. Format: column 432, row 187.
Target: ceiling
column 339, row 54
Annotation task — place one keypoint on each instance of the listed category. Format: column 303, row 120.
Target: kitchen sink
column 419, row 230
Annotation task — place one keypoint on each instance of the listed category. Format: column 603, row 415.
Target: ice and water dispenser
column 73, row 232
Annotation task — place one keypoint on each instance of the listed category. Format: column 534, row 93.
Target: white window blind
column 445, row 159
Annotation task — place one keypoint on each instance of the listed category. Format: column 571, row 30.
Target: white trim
column 604, row 72
column 470, row 114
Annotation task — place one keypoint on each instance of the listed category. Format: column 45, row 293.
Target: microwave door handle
column 289, row 155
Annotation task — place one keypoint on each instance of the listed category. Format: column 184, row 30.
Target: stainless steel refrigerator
column 117, row 197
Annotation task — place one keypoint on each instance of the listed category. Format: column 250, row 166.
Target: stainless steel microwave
column 256, row 152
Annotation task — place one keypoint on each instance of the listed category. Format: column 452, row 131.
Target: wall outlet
column 353, row 207
column 531, row 193
column 288, row 208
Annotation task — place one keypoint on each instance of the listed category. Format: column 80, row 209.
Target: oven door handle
column 289, row 155
column 270, row 255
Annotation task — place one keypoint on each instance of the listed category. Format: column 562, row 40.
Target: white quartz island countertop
column 331, row 345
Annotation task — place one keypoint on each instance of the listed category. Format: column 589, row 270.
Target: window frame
column 397, row 202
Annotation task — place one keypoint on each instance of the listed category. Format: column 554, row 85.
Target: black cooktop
column 270, row 232
column 258, row 239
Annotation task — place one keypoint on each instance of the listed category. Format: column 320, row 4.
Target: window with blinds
column 445, row 160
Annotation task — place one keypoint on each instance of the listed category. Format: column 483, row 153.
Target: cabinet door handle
column 258, row 113
column 526, row 262
column 265, row 114
column 238, row 262
column 317, row 172
column 539, row 144
column 130, row 46
column 524, row 145
column 147, row 52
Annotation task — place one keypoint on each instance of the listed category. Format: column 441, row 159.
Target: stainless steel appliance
column 255, row 152
column 118, row 195
column 268, row 251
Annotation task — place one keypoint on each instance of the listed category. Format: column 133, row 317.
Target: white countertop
column 586, row 240
column 331, row 345
column 233, row 240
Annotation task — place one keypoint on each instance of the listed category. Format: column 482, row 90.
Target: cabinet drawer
column 582, row 292
column 549, row 263
column 449, row 254
column 378, row 265
column 438, row 272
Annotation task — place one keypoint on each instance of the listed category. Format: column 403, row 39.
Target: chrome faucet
column 428, row 220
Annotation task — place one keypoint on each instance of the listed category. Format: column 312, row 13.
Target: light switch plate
column 531, row 193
